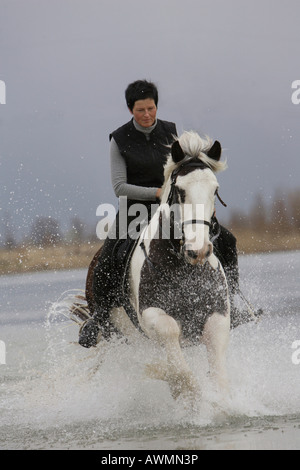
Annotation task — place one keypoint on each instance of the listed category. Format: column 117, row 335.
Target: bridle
column 189, row 162
column 192, row 163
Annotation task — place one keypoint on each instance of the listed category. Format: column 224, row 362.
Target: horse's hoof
column 184, row 386
column 181, row 384
column 89, row 332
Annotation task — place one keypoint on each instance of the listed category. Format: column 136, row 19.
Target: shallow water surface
column 56, row 395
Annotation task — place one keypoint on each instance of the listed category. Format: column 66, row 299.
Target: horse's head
column 190, row 181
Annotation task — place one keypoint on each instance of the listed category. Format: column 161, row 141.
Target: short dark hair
column 140, row 90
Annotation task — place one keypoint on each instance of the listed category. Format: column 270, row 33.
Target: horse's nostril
column 209, row 251
column 192, row 254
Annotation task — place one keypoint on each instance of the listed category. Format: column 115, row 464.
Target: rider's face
column 144, row 112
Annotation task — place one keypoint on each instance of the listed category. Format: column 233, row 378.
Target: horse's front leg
column 163, row 329
column 216, row 338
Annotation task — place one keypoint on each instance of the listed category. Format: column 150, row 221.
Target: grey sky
column 223, row 68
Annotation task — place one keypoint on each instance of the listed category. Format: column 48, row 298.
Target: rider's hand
column 88, row 334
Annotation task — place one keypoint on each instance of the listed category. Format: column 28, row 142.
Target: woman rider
column 138, row 152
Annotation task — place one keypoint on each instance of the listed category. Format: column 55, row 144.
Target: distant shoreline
column 28, row 258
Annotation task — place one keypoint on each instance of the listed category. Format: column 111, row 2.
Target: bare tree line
column 281, row 215
column 46, row 231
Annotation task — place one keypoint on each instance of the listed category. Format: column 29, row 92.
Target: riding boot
column 241, row 316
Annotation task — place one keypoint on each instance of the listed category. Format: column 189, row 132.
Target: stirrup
column 255, row 314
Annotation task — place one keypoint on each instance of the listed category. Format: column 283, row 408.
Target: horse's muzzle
column 194, row 256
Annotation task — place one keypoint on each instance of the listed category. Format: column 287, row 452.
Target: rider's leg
column 226, row 250
column 105, row 284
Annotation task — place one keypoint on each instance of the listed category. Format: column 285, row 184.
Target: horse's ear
column 215, row 151
column 177, row 152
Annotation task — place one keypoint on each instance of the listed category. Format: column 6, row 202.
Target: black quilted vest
column 144, row 158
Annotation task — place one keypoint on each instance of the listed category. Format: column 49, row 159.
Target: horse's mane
column 194, row 146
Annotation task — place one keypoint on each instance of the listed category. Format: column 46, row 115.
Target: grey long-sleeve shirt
column 119, row 172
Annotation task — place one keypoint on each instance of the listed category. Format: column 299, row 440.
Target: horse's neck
column 151, row 230
column 160, row 231
column 155, row 231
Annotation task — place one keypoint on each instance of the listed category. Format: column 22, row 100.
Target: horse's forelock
column 193, row 145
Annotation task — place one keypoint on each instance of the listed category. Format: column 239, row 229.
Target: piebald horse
column 176, row 284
